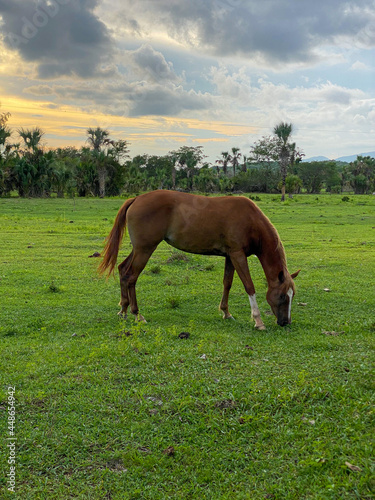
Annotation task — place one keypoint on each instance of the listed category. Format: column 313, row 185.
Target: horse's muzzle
column 283, row 322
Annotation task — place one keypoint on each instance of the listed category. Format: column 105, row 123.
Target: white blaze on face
column 290, row 295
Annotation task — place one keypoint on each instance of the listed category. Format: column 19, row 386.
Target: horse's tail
column 113, row 240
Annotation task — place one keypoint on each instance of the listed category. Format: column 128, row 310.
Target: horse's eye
column 282, row 296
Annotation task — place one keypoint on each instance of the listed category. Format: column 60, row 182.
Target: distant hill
column 348, row 159
column 345, row 159
column 316, row 158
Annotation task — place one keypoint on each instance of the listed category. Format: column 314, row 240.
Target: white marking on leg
column 290, row 295
column 256, row 313
column 254, row 306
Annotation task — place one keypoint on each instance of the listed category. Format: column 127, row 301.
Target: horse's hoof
column 229, row 317
column 122, row 315
column 260, row 327
column 139, row 318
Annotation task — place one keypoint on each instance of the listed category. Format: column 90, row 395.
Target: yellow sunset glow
column 66, row 125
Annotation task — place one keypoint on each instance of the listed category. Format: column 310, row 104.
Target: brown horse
column 233, row 227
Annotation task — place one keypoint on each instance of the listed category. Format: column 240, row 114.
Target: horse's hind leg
column 137, row 264
column 124, row 301
column 228, row 280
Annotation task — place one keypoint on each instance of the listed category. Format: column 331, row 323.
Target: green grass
column 262, row 415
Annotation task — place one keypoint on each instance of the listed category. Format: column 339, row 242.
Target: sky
column 169, row 73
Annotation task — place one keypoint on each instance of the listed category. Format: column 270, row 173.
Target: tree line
column 103, row 167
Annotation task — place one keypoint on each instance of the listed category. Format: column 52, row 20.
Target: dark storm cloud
column 271, row 30
column 167, row 101
column 64, row 37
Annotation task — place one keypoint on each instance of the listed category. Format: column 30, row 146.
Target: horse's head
column 280, row 295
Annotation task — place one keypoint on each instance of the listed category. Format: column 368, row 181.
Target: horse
column 231, row 227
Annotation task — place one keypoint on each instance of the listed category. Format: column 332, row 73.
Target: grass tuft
column 156, row 269
column 53, row 288
column 174, row 302
column 177, row 257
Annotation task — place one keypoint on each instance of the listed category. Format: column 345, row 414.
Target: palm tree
column 4, row 117
column 4, row 129
column 5, row 149
column 31, row 172
column 234, row 158
column 283, row 131
column 224, row 161
column 97, row 138
column 31, row 138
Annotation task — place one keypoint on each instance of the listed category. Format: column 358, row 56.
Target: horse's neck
column 272, row 255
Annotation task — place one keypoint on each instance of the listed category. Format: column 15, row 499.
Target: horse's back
column 193, row 223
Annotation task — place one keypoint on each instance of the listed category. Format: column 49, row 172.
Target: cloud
column 271, row 32
column 236, row 86
column 39, row 90
column 246, row 62
column 151, row 64
column 314, row 109
column 359, row 66
column 64, row 37
column 167, row 101
column 122, row 98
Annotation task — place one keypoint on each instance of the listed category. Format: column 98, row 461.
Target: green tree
column 206, row 180
column 186, row 162
column 361, row 174
column 86, row 174
column 64, row 169
column 31, row 171
column 312, row 175
column 265, row 151
column 293, row 184
column 136, row 177
column 263, row 174
column 332, row 178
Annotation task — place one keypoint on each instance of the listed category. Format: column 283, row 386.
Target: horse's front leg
column 255, row 313
column 228, row 280
column 239, row 261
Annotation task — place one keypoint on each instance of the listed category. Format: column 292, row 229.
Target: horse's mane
column 280, row 248
column 276, row 241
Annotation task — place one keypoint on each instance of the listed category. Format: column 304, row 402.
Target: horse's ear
column 281, row 277
column 294, row 275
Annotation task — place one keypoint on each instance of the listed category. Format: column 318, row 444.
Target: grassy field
column 108, row 409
